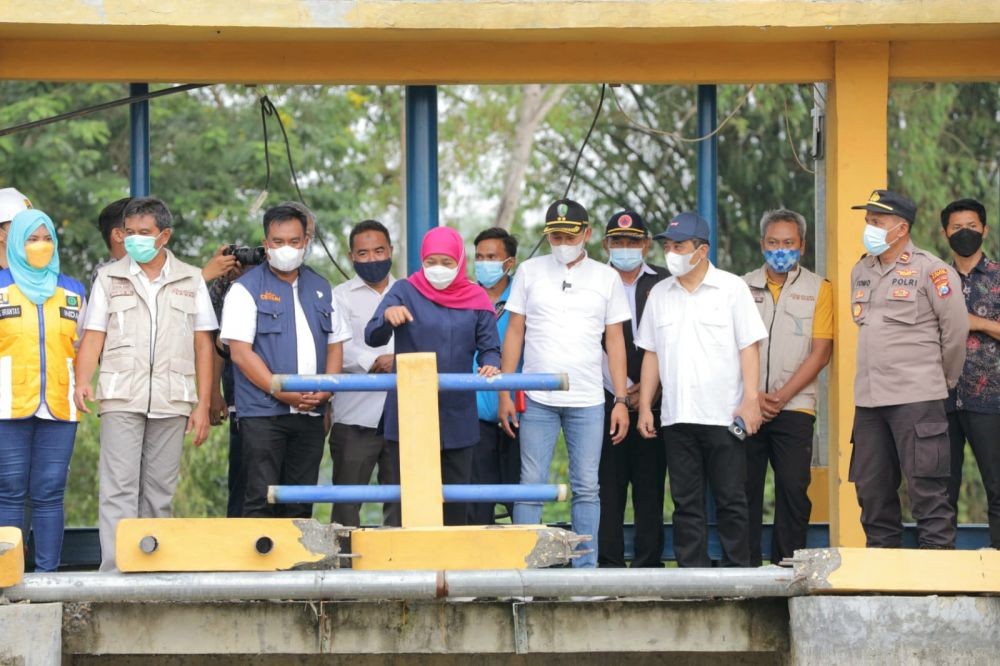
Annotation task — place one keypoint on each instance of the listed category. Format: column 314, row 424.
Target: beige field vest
column 789, row 323
column 139, row 374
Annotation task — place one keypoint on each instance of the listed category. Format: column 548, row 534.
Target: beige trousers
column 139, row 464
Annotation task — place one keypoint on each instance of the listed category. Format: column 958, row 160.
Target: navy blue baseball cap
column 684, row 227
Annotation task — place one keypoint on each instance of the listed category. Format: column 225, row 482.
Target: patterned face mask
column 782, row 261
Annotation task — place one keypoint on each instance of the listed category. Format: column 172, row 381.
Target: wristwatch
column 621, row 400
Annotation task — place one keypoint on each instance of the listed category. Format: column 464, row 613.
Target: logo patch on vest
column 69, row 313
column 184, row 292
column 10, row 311
column 72, row 301
column 270, row 296
column 121, row 287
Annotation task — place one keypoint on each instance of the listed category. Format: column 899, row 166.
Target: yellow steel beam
column 413, row 63
column 819, row 494
column 464, row 547
column 224, row 544
column 892, row 571
column 419, row 441
column 856, row 164
column 954, row 60
column 11, row 556
column 872, row 19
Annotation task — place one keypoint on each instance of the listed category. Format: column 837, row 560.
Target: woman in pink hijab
column 438, row 309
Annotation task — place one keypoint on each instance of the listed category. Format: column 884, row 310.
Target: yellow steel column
column 856, row 164
column 419, row 440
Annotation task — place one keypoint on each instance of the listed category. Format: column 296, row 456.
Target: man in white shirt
column 150, row 322
column 560, row 307
column 280, row 318
column 356, row 446
column 700, row 332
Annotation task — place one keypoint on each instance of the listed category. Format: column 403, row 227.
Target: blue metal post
column 139, row 144
column 708, row 165
column 421, row 169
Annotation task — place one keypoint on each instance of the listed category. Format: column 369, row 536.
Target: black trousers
column 495, row 459
column 786, row 443
column 280, row 450
column 237, row 471
column 456, row 467
column 643, row 464
column 983, row 434
column 910, row 441
column 355, row 451
column 700, row 455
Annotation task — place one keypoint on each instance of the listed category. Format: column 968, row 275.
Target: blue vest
column 275, row 341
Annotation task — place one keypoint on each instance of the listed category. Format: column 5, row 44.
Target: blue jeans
column 583, row 428
column 34, row 461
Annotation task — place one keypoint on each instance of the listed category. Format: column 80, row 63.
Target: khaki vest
column 789, row 326
column 139, row 374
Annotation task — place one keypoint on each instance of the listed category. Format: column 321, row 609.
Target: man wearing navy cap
column 700, row 331
column 634, row 461
column 912, row 330
column 561, row 305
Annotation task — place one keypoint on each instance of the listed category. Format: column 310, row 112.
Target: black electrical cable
column 267, row 108
column 576, row 163
column 70, row 115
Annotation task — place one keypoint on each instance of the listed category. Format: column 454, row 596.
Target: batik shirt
column 978, row 388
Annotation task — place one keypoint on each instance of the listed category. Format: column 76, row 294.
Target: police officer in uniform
column 912, row 327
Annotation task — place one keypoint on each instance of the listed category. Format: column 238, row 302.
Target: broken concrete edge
column 555, row 546
column 322, row 540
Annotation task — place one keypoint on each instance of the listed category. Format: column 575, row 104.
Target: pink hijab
column 462, row 294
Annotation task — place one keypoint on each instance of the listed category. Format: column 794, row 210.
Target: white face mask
column 567, row 254
column 440, row 276
column 285, row 258
column 680, row 264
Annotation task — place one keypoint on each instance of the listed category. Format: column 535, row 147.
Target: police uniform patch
column 10, row 311
column 908, row 272
column 69, row 313
column 900, row 293
column 941, row 284
column 856, row 310
column 904, row 258
column 72, row 301
column 860, row 293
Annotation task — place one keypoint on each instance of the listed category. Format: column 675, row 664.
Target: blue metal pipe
column 446, row 382
column 139, row 142
column 537, row 492
column 421, row 169
column 708, row 166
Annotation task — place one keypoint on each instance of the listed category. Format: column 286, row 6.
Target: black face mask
column 965, row 242
column 373, row 272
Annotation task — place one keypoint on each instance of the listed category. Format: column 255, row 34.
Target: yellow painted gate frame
column 857, row 47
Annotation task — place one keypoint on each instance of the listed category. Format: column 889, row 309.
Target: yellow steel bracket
column 898, row 570
column 11, row 556
column 224, row 544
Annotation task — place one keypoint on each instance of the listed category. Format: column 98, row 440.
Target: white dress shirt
column 566, row 311
column 358, row 302
column 697, row 338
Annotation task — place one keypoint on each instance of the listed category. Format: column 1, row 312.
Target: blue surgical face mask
column 625, row 258
column 488, row 273
column 782, row 261
column 142, row 248
column 874, row 239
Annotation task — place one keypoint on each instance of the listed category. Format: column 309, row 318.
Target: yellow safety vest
column 37, row 350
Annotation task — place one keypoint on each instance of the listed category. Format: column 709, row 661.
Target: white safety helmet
column 12, row 202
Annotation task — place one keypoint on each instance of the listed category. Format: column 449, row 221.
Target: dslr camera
column 247, row 256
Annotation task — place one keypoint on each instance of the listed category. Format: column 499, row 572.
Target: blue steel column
column 421, row 169
column 708, row 165
column 139, row 142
